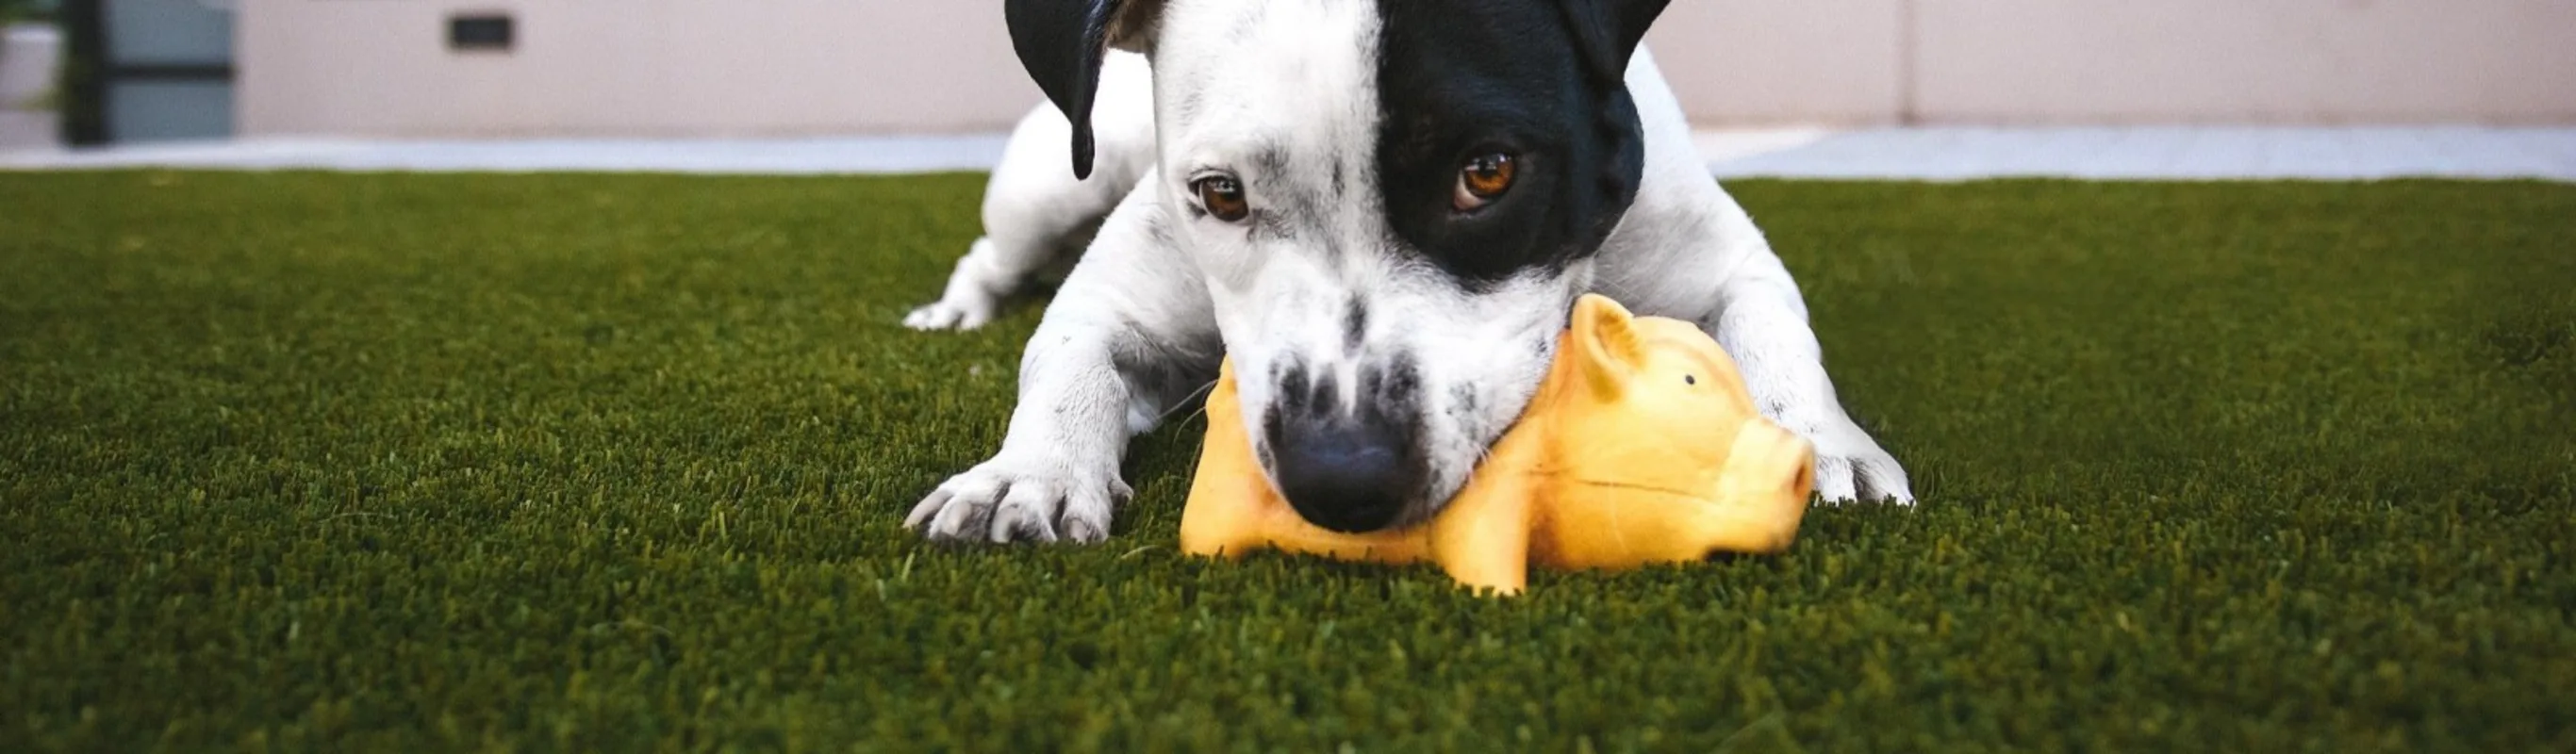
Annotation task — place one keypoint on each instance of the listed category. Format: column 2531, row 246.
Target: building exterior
column 513, row 68
column 28, row 67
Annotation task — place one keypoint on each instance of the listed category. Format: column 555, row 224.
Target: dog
column 1382, row 211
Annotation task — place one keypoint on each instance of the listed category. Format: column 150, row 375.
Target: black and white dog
column 1383, row 210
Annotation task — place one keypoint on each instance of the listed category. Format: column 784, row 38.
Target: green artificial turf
column 372, row 462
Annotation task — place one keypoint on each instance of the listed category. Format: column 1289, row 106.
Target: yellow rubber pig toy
column 1641, row 446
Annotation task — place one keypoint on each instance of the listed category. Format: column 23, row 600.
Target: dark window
column 489, row 31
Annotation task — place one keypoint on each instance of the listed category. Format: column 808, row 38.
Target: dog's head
column 1393, row 204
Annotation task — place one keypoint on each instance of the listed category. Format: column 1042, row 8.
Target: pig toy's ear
column 1606, row 342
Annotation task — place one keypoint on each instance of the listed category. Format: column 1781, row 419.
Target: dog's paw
column 950, row 314
column 1851, row 467
column 1021, row 499
column 974, row 293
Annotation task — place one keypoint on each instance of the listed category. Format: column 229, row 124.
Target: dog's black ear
column 1061, row 43
column 1608, row 31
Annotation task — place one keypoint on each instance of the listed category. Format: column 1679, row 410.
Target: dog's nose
column 1345, row 473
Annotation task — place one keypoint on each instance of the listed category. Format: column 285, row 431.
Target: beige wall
column 2305, row 61
column 630, row 67
column 769, row 67
column 1784, row 61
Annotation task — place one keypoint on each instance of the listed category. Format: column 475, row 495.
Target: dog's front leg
column 1130, row 333
column 1762, row 323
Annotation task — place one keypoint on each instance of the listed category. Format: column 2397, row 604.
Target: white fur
column 1158, row 282
column 1035, row 211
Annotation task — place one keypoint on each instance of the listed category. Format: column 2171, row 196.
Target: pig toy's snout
column 1797, row 464
column 1769, row 478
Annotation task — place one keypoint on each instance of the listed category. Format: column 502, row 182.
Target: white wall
column 774, row 67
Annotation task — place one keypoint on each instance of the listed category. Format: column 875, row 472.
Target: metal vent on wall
column 481, row 32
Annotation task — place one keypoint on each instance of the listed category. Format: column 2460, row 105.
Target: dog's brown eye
column 1222, row 197
column 1484, row 177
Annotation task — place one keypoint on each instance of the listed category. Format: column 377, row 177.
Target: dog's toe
column 951, row 314
column 1879, row 478
column 937, row 316
column 1834, row 479
column 964, row 518
column 1851, row 468
column 1027, row 514
column 1087, row 512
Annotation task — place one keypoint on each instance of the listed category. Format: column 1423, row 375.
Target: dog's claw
column 928, row 508
column 1011, row 499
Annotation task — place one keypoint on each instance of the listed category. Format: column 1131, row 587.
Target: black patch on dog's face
column 1461, row 78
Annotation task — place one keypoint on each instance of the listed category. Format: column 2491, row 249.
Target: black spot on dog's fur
column 1272, row 225
column 1296, row 391
column 1269, row 158
column 1355, row 324
column 1397, row 384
